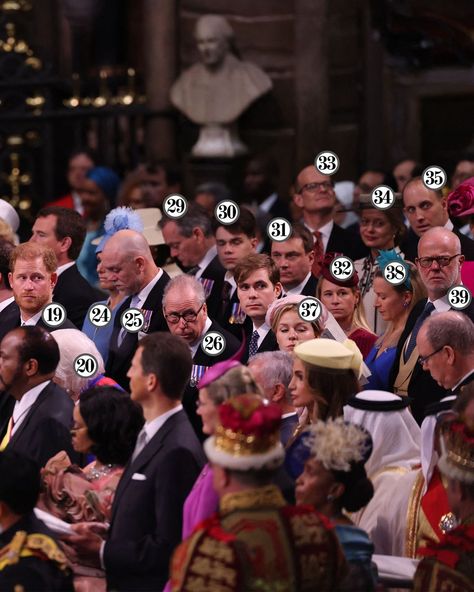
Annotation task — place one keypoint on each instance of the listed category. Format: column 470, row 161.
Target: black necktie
column 429, row 308
column 225, row 295
column 193, row 270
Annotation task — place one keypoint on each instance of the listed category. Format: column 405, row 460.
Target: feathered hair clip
column 121, row 218
column 391, row 256
column 337, row 444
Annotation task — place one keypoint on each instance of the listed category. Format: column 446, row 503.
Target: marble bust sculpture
column 215, row 91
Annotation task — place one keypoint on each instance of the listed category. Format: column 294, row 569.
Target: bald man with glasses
column 439, row 262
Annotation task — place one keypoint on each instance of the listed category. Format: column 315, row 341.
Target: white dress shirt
column 229, row 277
column 208, row 257
column 140, row 298
column 325, row 232
column 195, row 346
column 62, row 268
column 6, row 302
column 31, row 322
column 22, row 407
column 262, row 333
column 298, row 289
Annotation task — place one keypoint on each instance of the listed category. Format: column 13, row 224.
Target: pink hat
column 295, row 299
column 216, row 371
column 461, row 200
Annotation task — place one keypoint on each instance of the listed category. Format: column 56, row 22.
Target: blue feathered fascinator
column 391, row 256
column 121, row 218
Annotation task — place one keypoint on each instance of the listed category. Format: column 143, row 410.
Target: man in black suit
column 234, row 243
column 260, row 189
column 42, row 415
column 446, row 346
column 272, row 372
column 294, row 258
column 258, row 285
column 6, row 293
column 32, row 278
column 427, row 208
column 192, row 243
column 64, row 231
column 185, row 310
column 128, row 260
column 147, row 511
column 439, row 264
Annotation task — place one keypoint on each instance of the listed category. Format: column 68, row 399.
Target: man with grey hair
column 273, row 371
column 128, row 260
column 192, row 243
column 185, row 311
column 446, row 347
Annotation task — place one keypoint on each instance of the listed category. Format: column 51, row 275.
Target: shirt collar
column 462, row 379
column 145, row 292
column 62, row 268
column 32, row 321
column 299, row 288
column 441, row 304
column 262, row 332
column 6, row 302
column 208, row 257
column 28, row 400
column 194, row 347
column 152, row 427
column 449, row 225
column 268, row 202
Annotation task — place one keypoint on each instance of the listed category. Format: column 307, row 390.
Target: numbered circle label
column 310, row 309
column 434, row 177
column 326, row 162
column 227, row 211
column 279, row 229
column 459, row 297
column 175, row 206
column 54, row 314
column 382, row 197
column 395, row 273
column 132, row 320
column 85, row 366
column 213, row 343
column 342, row 268
column 99, row 315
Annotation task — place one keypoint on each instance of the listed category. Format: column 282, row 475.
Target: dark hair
column 172, row 171
column 39, row 345
column 196, row 216
column 332, row 388
column 300, row 231
column 358, row 489
column 246, row 224
column 167, row 357
column 6, row 250
column 20, row 482
column 253, row 477
column 254, row 262
column 219, row 191
column 68, row 223
column 113, row 422
column 87, row 151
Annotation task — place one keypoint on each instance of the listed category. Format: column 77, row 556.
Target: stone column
column 159, row 56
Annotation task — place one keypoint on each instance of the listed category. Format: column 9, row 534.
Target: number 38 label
column 395, row 273
column 54, row 315
column 279, row 229
column 326, row 163
column 309, row 309
column 459, row 297
column 227, row 212
column 342, row 268
column 132, row 320
column 175, row 206
column 85, row 366
column 99, row 315
column 213, row 343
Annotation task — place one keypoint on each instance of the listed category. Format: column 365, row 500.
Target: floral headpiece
column 457, row 459
column 461, row 200
column 391, row 256
column 120, row 218
column 248, row 436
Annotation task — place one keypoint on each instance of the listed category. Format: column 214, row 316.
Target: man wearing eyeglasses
column 439, row 264
column 427, row 208
column 185, row 311
column 315, row 195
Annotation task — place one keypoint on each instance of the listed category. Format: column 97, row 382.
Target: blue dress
column 380, row 368
column 101, row 335
column 358, row 550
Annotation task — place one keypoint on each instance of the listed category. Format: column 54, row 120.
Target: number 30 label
column 213, row 343
column 227, row 212
column 459, row 297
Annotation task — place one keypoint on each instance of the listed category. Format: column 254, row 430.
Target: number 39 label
column 342, row 268
column 213, row 343
column 132, row 320
column 459, row 297
column 54, row 315
column 227, row 212
column 434, row 177
column 279, row 229
column 395, row 273
column 99, row 315
column 175, row 206
column 310, row 309
column 326, row 163
column 85, row 366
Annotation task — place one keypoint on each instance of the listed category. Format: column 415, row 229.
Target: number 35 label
column 459, row 297
column 213, row 343
column 132, row 320
column 342, row 268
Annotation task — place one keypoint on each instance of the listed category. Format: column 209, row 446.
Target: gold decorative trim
column 260, row 497
column 413, row 514
column 239, row 444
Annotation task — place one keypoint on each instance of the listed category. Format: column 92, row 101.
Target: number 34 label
column 213, row 343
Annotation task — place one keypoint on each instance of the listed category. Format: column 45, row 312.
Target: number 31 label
column 213, row 343
column 459, row 297
column 279, row 229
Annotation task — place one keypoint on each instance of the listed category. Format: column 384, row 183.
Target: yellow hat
column 328, row 353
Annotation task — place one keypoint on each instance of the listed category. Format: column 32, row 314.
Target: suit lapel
column 39, row 401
